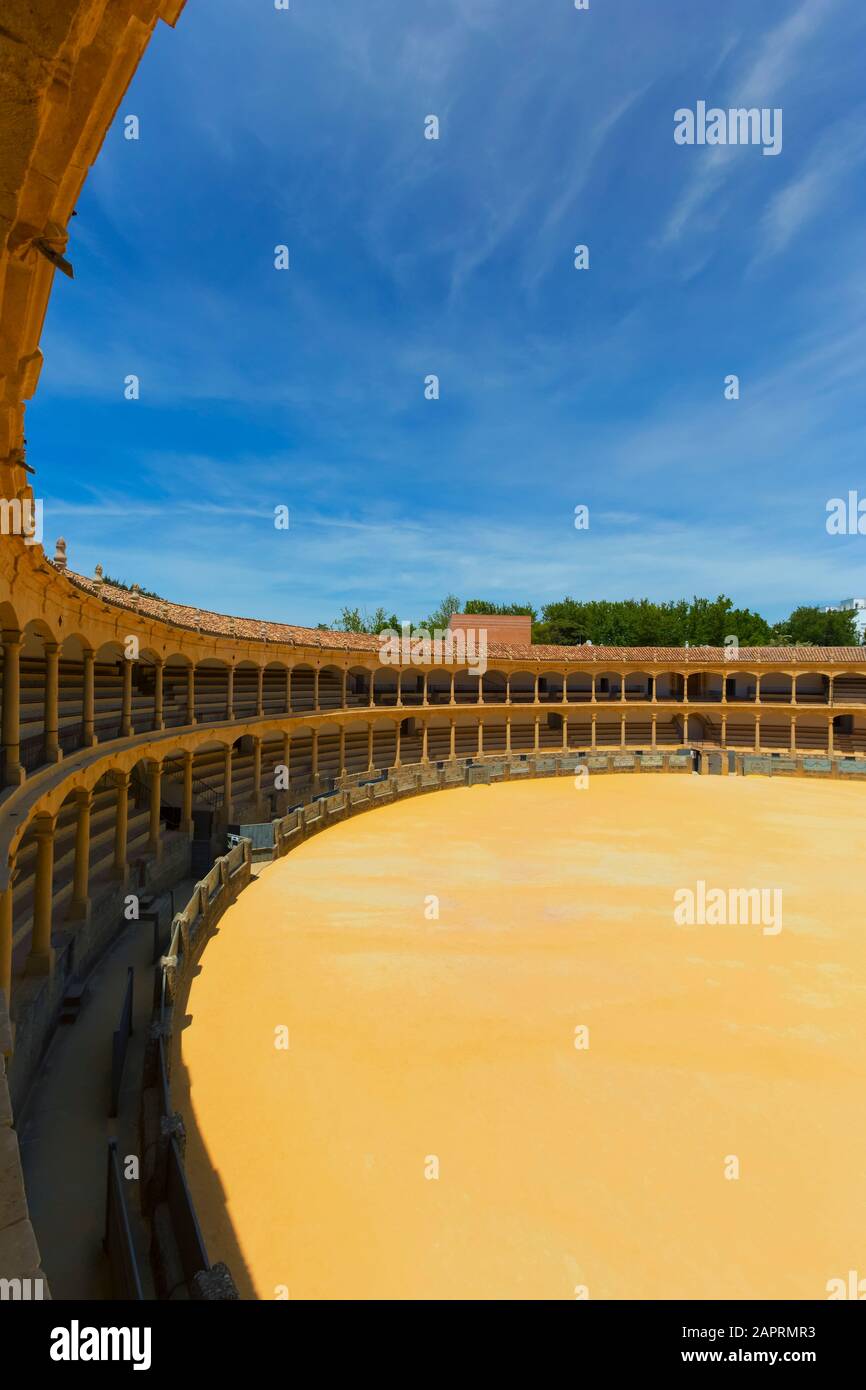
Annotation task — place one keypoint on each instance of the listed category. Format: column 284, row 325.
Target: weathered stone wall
column 19, row 1253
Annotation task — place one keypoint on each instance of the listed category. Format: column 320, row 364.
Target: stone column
column 830, row 749
column 288, row 690
column 537, row 730
column 227, row 782
column 622, row 729
column 41, row 958
column 508, row 700
column 480, row 737
column 120, row 868
column 79, row 908
column 565, row 733
column 508, row 733
column 187, row 823
column 50, row 709
column 425, row 700
column 158, row 719
column 12, row 706
column 594, row 698
column 757, row 733
column 830, row 690
column 453, row 747
column 397, row 731
column 654, row 730
column 537, row 679
column 424, row 756
column 190, row 694
column 758, row 690
column 724, row 687
column 87, row 706
column 653, row 680
column 371, row 702
column 594, row 722
column 370, row 747
column 260, row 690
column 154, row 839
column 6, row 906
column 126, row 699
column 724, row 731
column 793, row 733
column 230, row 694
column 316, row 688
column 399, row 689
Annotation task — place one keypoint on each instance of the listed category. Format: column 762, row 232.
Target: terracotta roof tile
column 255, row 630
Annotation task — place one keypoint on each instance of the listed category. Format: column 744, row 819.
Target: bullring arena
column 357, row 1073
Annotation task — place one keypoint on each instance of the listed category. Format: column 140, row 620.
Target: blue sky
column 305, row 388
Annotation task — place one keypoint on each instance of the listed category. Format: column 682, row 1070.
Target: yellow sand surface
column 417, row 1042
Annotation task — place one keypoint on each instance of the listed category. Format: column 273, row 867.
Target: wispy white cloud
column 761, row 84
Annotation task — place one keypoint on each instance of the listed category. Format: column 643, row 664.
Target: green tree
column 812, row 627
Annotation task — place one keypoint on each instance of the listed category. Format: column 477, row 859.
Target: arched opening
column 521, row 687
column 385, row 687
column 550, row 687
column 330, row 688
column 412, row 687
column 494, row 687
column 358, row 687
column 275, row 688
column 608, row 685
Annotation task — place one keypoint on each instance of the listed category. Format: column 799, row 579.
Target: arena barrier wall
column 179, row 1260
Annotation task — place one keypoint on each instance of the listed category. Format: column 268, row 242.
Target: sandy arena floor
column 410, row 1038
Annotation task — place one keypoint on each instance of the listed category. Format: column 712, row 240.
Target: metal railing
column 120, row 1042
column 117, row 1241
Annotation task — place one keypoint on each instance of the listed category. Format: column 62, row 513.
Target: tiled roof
column 255, row 630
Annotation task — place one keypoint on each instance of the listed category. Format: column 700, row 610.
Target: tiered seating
column 274, row 691
column 70, row 703
column 494, row 738
column 356, row 750
column 211, row 693
column 303, row 689
column 438, row 742
column 740, row 734
column 330, row 689
column 811, row 737
column 668, row 734
column 855, row 742
column 175, row 709
column 850, row 690
column 579, row 733
column 107, row 699
column 775, row 735
column 522, row 736
column 638, row 733
column 246, row 692
column 608, row 733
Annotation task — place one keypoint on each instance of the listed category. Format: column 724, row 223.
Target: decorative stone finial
column 97, row 575
column 60, row 553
